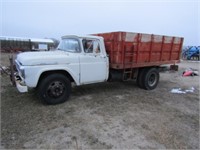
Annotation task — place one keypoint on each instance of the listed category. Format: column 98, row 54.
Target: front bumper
column 21, row 87
column 18, row 82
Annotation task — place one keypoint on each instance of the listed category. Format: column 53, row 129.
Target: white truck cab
column 78, row 59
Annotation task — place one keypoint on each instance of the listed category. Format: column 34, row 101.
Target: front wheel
column 54, row 89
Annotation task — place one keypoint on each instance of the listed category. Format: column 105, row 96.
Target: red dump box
column 133, row 50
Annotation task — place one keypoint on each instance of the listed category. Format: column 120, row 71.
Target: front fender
column 33, row 73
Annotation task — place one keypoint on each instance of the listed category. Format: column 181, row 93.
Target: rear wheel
column 140, row 78
column 54, row 89
column 150, row 78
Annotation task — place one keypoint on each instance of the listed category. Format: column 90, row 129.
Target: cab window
column 91, row 46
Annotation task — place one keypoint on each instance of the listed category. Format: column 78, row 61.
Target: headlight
column 20, row 69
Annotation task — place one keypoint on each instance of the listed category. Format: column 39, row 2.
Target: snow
column 180, row 91
column 190, row 90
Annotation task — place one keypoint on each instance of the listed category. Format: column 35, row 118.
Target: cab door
column 93, row 63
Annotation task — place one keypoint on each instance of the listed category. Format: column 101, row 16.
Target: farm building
column 13, row 44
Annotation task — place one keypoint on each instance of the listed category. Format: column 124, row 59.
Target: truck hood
column 43, row 58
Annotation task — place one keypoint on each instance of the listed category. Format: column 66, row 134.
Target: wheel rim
column 55, row 89
column 152, row 79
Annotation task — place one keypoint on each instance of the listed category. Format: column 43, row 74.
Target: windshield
column 69, row 45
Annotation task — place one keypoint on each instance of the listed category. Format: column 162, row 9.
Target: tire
column 150, row 78
column 140, row 78
column 54, row 89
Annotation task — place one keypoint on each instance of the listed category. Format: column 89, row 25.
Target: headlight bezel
column 20, row 69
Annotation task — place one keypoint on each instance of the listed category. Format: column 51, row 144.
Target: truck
column 101, row 57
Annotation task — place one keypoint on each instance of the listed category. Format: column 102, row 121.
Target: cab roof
column 82, row 36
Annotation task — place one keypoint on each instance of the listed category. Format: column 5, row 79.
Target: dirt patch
column 115, row 115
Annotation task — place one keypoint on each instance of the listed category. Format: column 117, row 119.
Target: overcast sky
column 51, row 18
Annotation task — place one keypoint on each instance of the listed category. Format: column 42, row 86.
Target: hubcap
column 56, row 89
column 152, row 79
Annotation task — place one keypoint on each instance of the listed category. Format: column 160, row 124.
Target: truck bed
column 133, row 50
